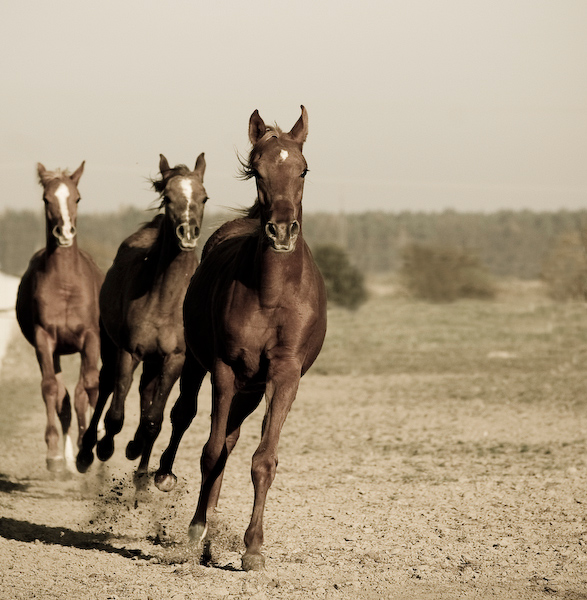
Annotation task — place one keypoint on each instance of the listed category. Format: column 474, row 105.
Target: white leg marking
column 69, row 456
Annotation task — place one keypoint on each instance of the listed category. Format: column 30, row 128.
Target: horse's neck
column 62, row 260
column 171, row 263
column 279, row 273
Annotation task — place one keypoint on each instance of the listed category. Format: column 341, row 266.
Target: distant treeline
column 509, row 243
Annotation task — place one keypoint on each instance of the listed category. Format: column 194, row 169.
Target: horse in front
column 255, row 318
column 57, row 310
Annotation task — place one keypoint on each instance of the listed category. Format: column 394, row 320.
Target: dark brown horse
column 57, row 310
column 255, row 318
column 141, row 313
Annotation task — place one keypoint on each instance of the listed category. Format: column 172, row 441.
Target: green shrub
column 565, row 268
column 345, row 284
column 444, row 273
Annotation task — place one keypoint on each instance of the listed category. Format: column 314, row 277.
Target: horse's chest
column 63, row 305
column 152, row 332
column 251, row 339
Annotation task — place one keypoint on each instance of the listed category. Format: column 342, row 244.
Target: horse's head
column 183, row 196
column 279, row 167
column 61, row 196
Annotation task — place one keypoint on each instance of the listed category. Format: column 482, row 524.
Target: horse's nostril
column 294, row 228
column 196, row 232
column 271, row 229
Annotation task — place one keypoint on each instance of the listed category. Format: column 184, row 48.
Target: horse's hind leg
column 107, row 379
column 165, row 374
column 182, row 414
column 86, row 391
column 114, row 419
column 64, row 413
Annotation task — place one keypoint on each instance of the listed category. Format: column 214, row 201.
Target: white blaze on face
column 62, row 194
column 188, row 190
column 283, row 155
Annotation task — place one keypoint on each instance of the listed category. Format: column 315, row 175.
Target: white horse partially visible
column 8, row 289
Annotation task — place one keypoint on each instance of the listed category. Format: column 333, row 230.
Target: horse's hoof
column 134, row 450
column 197, row 532
column 56, row 465
column 105, row 448
column 84, row 460
column 165, row 481
column 253, row 562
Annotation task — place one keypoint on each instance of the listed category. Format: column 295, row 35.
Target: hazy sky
column 413, row 105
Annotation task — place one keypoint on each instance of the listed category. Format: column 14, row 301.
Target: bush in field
column 565, row 269
column 345, row 284
column 444, row 273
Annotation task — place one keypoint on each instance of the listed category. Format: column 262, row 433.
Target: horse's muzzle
column 282, row 236
column 188, row 236
column 63, row 236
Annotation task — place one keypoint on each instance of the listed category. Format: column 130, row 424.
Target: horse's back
column 237, row 228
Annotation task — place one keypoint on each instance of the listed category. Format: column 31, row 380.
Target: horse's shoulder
column 92, row 266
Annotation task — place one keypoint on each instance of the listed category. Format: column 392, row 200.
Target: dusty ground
column 416, row 483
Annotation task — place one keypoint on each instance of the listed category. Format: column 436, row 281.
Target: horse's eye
column 77, row 201
column 206, row 199
column 305, row 172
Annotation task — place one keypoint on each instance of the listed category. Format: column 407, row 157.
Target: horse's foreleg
column 50, row 389
column 114, row 419
column 280, row 394
column 243, row 404
column 152, row 412
column 182, row 414
column 147, row 390
column 215, row 451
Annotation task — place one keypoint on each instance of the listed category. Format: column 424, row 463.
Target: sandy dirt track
column 401, row 485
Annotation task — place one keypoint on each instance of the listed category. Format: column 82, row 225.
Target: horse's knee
column 50, row 389
column 91, row 380
column 211, row 454
column 263, row 469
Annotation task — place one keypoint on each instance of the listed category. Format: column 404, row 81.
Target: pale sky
column 422, row 105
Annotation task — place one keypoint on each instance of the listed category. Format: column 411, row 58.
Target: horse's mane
column 48, row 176
column 246, row 170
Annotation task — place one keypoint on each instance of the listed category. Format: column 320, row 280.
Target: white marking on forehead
column 188, row 190
column 283, row 154
column 62, row 195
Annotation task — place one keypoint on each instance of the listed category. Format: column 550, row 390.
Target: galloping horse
column 255, row 318
column 140, row 314
column 57, row 310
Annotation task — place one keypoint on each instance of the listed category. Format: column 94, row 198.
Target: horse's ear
column 257, row 128
column 299, row 132
column 200, row 166
column 41, row 171
column 75, row 176
column 163, row 164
